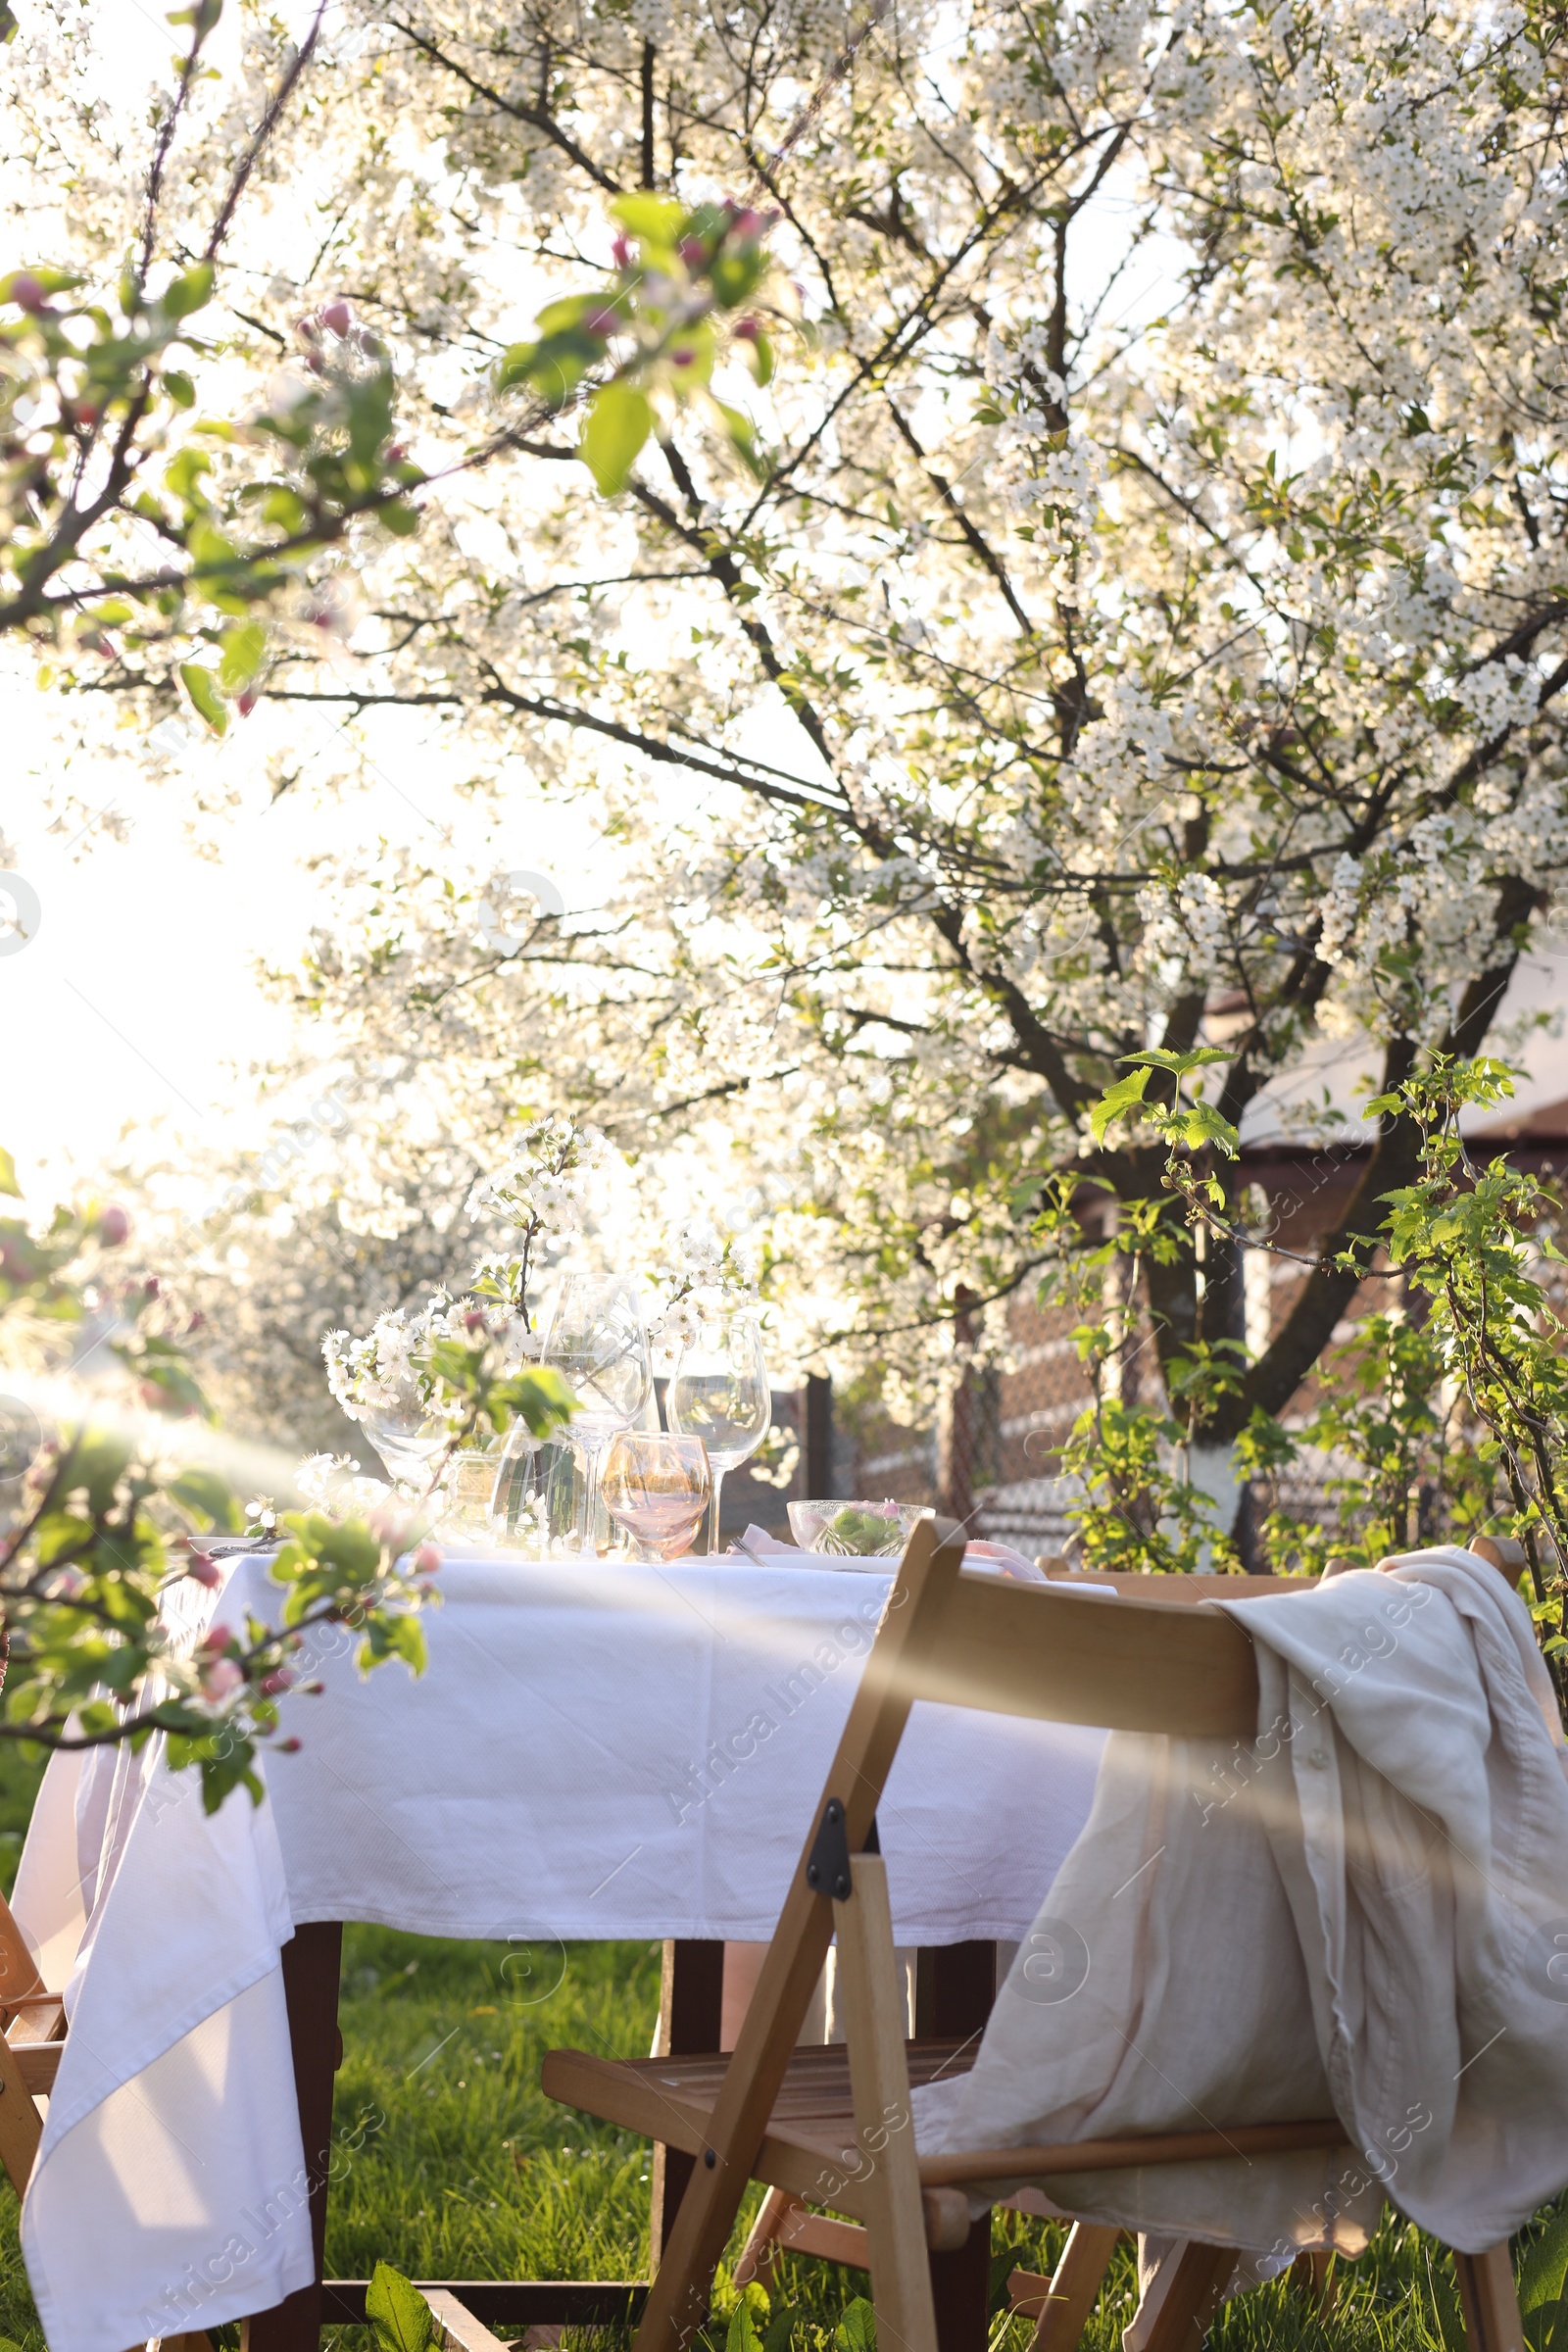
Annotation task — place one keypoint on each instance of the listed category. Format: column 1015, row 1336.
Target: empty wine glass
column 598, row 1343
column 657, row 1488
column 719, row 1392
column 405, row 1434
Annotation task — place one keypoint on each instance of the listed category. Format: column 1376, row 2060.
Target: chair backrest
column 1176, row 1588
column 1132, row 1664
column 1128, row 1652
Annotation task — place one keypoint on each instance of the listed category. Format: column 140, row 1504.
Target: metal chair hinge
column 827, row 1868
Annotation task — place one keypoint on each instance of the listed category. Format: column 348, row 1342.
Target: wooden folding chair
column 833, row 2126
column 32, row 2035
column 1060, row 2304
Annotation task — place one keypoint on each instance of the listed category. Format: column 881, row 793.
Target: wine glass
column 405, row 1434
column 719, row 1392
column 598, row 1343
column 657, row 1488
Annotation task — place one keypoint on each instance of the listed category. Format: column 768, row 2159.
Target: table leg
column 312, row 1961
column 691, row 2005
column 954, row 1984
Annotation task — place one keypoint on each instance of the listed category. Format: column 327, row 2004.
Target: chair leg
column 1315, row 2281
column 1489, row 2300
column 886, row 2169
column 761, row 2250
column 21, row 2125
column 1074, row 2288
column 1192, row 2299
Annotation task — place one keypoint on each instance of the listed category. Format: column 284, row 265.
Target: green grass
column 450, row 2162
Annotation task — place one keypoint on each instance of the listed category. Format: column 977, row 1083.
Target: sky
column 132, row 1015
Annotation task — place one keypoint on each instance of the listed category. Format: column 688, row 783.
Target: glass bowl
column 866, row 1531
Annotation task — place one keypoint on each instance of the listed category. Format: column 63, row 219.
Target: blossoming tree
column 1037, row 669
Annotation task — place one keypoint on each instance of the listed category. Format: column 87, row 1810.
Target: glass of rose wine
column 657, row 1488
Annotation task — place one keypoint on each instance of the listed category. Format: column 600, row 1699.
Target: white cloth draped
column 592, row 1753
column 1361, row 1912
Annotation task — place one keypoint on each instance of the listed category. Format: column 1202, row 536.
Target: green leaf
column 209, row 1498
column 191, row 291
column 619, row 422
column 856, row 2330
column 657, row 219
column 742, row 2335
column 1543, row 2272
column 369, row 414
column 742, row 433
column 399, row 519
column 1161, row 1057
column 1116, row 1102
column 177, row 384
column 202, row 687
column 8, row 1175
column 51, row 281
column 540, row 1396
column 782, row 2323
column 554, row 366
column 399, row 2314
column 244, row 649
column 1202, row 1124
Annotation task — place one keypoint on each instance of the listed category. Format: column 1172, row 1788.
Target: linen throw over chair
column 833, row 2126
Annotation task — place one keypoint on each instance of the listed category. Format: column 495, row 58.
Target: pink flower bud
column 216, row 1639
column 747, row 330
column 204, row 1569
column 396, row 451
column 693, row 252
column 245, row 703
column 312, row 1689
column 288, row 1747
column 601, row 323
column 26, row 293
column 684, row 357
column 620, row 253
column 221, row 1678
column 152, row 1288
column 427, row 1560
column 746, row 224
column 337, row 316
column 279, row 1680
column 114, row 1225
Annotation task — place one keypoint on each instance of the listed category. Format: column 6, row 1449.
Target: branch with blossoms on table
column 109, row 1509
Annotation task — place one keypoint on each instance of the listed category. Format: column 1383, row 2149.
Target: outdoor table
column 595, row 1752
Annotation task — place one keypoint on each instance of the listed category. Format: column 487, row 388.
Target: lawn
column 449, row 2162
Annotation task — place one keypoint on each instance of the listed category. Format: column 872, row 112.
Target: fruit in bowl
column 855, row 1530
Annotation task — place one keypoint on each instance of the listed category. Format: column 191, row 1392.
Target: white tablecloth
column 592, row 1753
